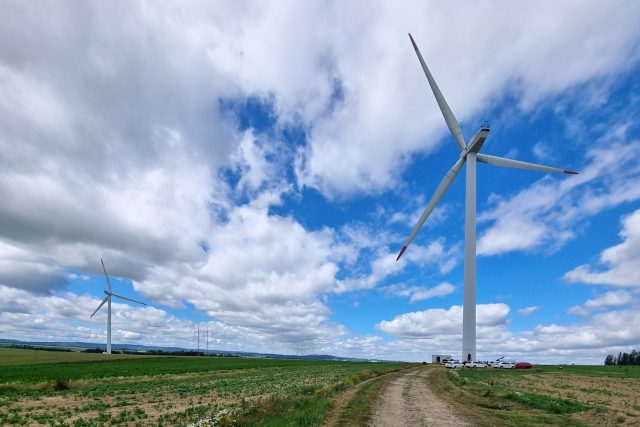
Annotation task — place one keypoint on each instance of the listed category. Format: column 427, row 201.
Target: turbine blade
column 442, row 188
column 128, row 299
column 509, row 163
column 106, row 275
column 452, row 123
column 101, row 304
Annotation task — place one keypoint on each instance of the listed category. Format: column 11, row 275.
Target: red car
column 524, row 365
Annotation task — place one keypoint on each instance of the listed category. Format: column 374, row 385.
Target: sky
column 254, row 168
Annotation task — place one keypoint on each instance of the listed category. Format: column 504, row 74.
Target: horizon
column 68, row 345
column 255, row 171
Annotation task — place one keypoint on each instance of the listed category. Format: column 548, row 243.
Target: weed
column 561, row 385
column 539, row 401
column 61, row 384
column 600, row 391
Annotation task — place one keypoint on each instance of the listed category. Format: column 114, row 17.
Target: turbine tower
column 107, row 299
column 469, row 154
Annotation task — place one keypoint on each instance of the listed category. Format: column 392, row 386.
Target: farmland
column 551, row 395
column 81, row 389
column 93, row 389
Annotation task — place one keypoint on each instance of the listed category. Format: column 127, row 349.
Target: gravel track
column 409, row 401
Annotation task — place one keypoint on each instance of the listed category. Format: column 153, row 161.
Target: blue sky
column 255, row 169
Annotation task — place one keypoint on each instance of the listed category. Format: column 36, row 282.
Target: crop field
column 80, row 389
column 552, row 395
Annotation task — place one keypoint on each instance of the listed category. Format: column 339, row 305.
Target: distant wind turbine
column 107, row 299
column 469, row 154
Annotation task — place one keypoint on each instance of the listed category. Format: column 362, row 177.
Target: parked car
column 524, row 365
column 453, row 364
column 506, row 365
column 476, row 365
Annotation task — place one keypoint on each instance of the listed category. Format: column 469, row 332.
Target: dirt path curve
column 409, row 401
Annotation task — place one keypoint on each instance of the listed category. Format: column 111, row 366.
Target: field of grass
column 80, row 389
column 15, row 356
column 551, row 395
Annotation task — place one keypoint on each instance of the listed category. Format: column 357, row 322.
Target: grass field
column 79, row 389
column 14, row 356
column 549, row 395
column 82, row 389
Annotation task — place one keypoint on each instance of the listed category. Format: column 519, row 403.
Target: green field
column 52, row 388
column 14, row 356
column 549, row 395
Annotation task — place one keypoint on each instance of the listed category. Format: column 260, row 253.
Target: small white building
column 439, row 358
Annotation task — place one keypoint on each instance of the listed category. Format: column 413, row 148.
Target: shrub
column 61, row 384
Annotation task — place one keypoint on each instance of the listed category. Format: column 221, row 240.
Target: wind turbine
column 469, row 154
column 107, row 299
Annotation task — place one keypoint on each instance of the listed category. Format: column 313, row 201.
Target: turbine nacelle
column 476, row 142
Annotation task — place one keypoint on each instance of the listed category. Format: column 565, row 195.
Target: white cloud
column 545, row 214
column 363, row 122
column 440, row 330
column 528, row 310
column 436, row 321
column 383, row 264
column 420, row 293
column 251, row 159
column 618, row 265
column 612, row 299
column 24, row 315
column 124, row 157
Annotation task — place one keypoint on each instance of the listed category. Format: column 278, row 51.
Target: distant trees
column 632, row 358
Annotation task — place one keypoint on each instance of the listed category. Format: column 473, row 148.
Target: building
column 439, row 358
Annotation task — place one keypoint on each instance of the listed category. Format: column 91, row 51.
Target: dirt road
column 409, row 401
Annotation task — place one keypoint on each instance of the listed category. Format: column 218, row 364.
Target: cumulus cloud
column 115, row 143
column 612, row 299
column 364, row 119
column 123, row 146
column 437, row 321
column 588, row 342
column 618, row 265
column 28, row 316
column 383, row 264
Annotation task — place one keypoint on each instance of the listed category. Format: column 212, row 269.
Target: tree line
column 632, row 358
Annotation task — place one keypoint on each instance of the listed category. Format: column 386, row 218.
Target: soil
column 343, row 399
column 408, row 400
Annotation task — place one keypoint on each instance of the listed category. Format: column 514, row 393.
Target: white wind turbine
column 469, row 154
column 107, row 299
